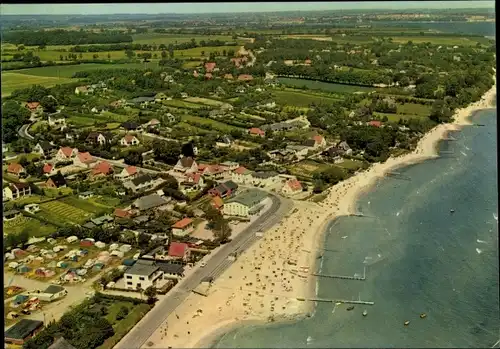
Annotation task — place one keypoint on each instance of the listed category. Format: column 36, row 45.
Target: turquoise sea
column 419, row 257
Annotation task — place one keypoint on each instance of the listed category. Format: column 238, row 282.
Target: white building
column 129, row 140
column 142, row 275
column 241, row 175
column 245, row 204
column 265, row 179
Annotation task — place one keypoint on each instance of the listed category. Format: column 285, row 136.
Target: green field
column 299, row 99
column 197, row 51
column 205, row 101
column 158, row 38
column 217, row 125
column 67, row 71
column 182, row 104
column 63, row 213
column 436, row 40
column 414, row 109
column 192, row 64
column 325, row 86
column 13, row 81
column 34, row 226
column 89, row 205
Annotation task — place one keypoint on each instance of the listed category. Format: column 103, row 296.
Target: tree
column 129, row 53
column 122, row 313
column 109, row 55
column 150, row 292
column 134, row 158
column 163, row 54
column 222, row 230
column 13, row 117
column 49, row 104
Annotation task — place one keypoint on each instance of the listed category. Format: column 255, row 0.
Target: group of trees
column 14, row 115
column 63, row 37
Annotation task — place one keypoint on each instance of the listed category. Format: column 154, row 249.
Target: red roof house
column 183, row 227
column 121, row 213
column 32, row 106
column 292, row 186
column 255, row 131
column 47, row 168
column 217, row 202
column 102, row 168
column 15, row 169
column 178, row 250
column 245, row 77
column 210, row 66
column 375, row 123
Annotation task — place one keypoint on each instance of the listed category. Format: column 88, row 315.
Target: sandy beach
column 263, row 284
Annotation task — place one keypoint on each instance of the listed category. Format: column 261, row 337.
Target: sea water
column 419, row 258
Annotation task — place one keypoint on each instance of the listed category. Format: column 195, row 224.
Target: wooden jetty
column 398, row 175
column 345, row 277
column 326, row 300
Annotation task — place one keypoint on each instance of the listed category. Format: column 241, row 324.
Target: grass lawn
column 414, row 109
column 14, row 81
column 182, row 104
column 113, row 116
column 192, row 64
column 205, row 121
column 397, row 117
column 306, row 168
column 37, row 125
column 299, row 99
column 81, row 120
column 351, row 164
column 34, row 226
column 436, row 40
column 325, row 86
column 122, row 327
column 207, row 101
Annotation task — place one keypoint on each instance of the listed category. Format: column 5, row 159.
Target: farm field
column 182, row 104
column 67, row 71
column 14, row 81
column 89, row 205
column 326, row 86
column 191, row 64
column 299, row 99
column 63, row 213
column 213, row 123
column 159, row 38
column 197, row 51
column 207, row 101
column 306, row 168
column 414, row 109
column 436, row 40
column 34, row 226
column 396, row 117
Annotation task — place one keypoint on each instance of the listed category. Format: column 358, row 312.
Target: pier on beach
column 327, row 300
column 344, row 277
column 398, row 175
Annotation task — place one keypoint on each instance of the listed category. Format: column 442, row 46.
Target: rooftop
column 142, row 269
column 150, row 201
column 23, row 329
column 182, row 223
column 249, row 198
column 53, row 289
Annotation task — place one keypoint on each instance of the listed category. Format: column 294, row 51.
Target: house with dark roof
column 130, row 126
column 171, row 270
column 265, row 178
column 44, row 148
column 142, row 101
column 224, row 190
column 142, row 182
column 23, row 330
column 150, row 202
column 245, row 204
column 50, row 294
column 99, row 138
column 16, row 190
column 56, row 181
column 142, row 274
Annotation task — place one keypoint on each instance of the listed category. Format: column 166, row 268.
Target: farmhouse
column 98, row 138
column 319, row 141
column 225, row 189
column 142, row 182
column 245, row 204
column 186, row 165
column 16, row 190
column 35, row 108
column 209, row 67
column 23, row 330
column 129, row 140
column 142, row 275
column 16, row 169
column 179, row 250
column 44, row 148
column 56, row 181
column 49, row 169
column 121, row 213
column 152, row 124
column 183, row 227
column 84, row 160
column 242, row 175
column 81, row 90
column 292, row 186
column 66, row 153
column 214, row 172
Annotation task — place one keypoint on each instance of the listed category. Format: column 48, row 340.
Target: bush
column 122, row 313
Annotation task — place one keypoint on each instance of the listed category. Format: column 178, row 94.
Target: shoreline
column 305, row 230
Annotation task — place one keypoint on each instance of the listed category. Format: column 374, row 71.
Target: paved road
column 215, row 266
column 23, row 132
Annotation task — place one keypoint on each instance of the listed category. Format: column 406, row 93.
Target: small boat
column 452, row 211
column 365, row 312
column 350, row 308
column 423, row 315
column 407, row 323
column 338, row 303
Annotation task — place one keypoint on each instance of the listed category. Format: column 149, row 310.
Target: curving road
column 23, row 132
column 215, row 266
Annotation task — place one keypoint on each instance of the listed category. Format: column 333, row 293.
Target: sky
column 220, row 7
